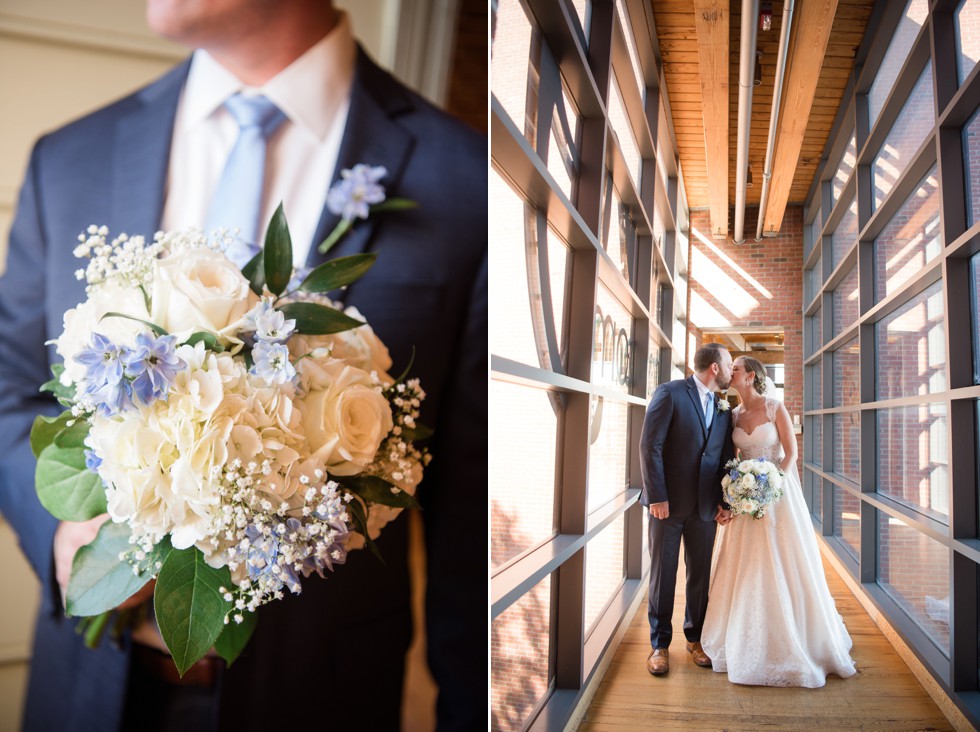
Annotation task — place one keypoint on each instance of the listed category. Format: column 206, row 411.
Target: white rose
column 80, row 322
column 360, row 346
column 200, row 290
column 344, row 416
column 748, row 506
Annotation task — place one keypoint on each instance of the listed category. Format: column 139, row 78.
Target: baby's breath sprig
column 127, row 261
column 267, row 546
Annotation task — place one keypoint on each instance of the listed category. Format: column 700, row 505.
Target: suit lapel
column 141, row 153
column 692, row 391
column 371, row 137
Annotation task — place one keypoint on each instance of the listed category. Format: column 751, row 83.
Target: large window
column 893, row 450
column 911, row 240
column 589, row 297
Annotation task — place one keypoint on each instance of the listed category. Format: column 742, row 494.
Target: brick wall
column 749, row 286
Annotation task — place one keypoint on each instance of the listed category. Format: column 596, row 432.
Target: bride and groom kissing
column 757, row 602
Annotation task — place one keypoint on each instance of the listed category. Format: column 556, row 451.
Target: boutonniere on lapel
column 357, row 195
column 723, row 405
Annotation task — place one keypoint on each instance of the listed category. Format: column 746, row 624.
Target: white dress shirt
column 314, row 94
column 703, row 394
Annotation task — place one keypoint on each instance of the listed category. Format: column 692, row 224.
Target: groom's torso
column 110, row 168
column 692, row 449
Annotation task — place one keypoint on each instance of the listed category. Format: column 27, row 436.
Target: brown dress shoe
column 659, row 662
column 698, row 654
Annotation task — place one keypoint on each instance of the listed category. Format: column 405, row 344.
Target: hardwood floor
column 883, row 696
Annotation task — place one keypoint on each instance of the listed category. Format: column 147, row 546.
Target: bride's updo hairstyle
column 756, row 367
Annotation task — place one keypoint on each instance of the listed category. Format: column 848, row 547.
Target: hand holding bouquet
column 752, row 486
column 240, row 430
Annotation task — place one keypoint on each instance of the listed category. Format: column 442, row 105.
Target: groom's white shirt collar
column 702, row 389
column 309, row 91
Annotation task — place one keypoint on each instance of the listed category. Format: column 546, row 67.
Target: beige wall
column 60, row 59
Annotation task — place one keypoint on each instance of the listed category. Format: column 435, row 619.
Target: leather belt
column 203, row 674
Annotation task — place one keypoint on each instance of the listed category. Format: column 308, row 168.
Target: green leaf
column 92, row 628
column 56, row 387
column 338, row 272
column 210, row 341
column 44, row 430
column 189, row 607
column 404, row 374
column 418, row 433
column 100, row 581
column 152, row 326
column 314, row 319
column 336, row 235
column 65, row 487
column 235, row 636
column 393, row 204
column 360, row 523
column 377, row 490
column 278, row 253
column 73, row 437
column 254, row 272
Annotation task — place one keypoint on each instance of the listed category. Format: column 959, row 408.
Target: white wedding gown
column 771, row 619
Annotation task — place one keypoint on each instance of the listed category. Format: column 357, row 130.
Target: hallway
column 883, row 696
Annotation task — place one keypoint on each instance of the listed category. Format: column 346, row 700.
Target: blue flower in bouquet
column 268, row 323
column 92, row 461
column 114, row 398
column 263, row 562
column 358, row 188
column 271, row 362
column 153, row 365
column 104, row 362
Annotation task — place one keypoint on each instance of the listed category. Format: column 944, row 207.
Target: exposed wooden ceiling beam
column 712, row 24
column 810, row 35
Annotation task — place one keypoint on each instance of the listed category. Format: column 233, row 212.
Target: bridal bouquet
column 240, row 430
column 751, row 486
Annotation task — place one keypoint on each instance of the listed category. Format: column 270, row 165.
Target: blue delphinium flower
column 92, row 461
column 105, row 370
column 113, row 399
column 153, row 365
column 271, row 362
column 104, row 362
column 762, row 480
column 357, row 189
column 268, row 323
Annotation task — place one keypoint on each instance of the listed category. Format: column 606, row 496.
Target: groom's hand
column 723, row 516
column 660, row 510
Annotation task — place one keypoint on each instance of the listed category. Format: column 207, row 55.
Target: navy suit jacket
column 318, row 656
column 682, row 461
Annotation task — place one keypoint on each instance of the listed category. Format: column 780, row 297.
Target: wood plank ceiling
column 678, row 25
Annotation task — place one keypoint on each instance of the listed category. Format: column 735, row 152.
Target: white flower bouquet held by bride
column 240, row 430
column 752, row 486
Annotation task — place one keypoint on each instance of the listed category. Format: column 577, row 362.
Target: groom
column 333, row 657
column 685, row 443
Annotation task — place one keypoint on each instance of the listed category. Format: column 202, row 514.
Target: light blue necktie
column 708, row 411
column 237, row 201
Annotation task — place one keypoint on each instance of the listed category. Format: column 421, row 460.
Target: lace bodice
column 763, row 441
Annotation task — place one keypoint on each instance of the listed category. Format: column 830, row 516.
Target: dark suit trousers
column 665, row 543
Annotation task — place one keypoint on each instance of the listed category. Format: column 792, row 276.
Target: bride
column 771, row 619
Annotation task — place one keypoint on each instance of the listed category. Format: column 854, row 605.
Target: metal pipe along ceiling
column 746, row 76
column 777, row 95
